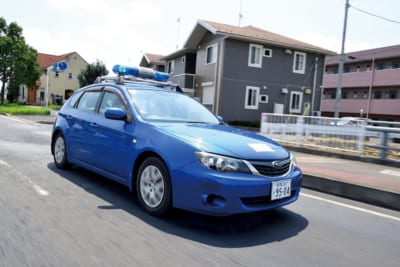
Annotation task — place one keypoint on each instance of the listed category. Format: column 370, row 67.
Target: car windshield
column 157, row 105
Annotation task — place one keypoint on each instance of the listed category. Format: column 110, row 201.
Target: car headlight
column 222, row 163
column 293, row 161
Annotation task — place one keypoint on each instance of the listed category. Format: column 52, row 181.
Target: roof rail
column 130, row 79
column 139, row 75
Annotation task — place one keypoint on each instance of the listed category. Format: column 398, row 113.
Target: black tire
column 153, row 187
column 60, row 152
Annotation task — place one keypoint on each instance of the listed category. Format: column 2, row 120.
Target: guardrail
column 353, row 136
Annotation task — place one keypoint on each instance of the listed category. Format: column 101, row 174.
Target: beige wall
column 59, row 85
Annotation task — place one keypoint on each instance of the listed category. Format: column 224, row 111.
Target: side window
column 299, row 62
column 296, row 99
column 212, row 52
column 255, row 55
column 88, row 101
column 110, row 100
column 251, row 100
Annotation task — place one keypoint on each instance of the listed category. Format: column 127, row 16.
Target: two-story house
column 59, row 78
column 240, row 72
column 370, row 84
column 153, row 61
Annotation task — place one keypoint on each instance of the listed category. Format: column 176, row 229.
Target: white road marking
column 39, row 190
column 352, row 207
column 13, row 119
column 4, row 163
column 391, row 172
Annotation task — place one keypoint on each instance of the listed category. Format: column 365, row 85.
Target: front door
column 32, row 96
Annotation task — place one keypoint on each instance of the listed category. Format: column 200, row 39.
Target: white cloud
column 118, row 38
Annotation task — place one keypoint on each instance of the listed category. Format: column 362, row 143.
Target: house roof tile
column 255, row 34
column 47, row 60
column 367, row 55
column 154, row 58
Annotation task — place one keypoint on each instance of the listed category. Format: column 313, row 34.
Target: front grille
column 264, row 200
column 272, row 168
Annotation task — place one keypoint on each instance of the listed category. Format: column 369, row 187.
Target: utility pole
column 341, row 62
column 178, row 21
column 240, row 13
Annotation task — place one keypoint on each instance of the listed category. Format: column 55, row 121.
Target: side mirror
column 115, row 114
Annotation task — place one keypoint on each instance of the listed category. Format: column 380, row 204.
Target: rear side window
column 88, row 101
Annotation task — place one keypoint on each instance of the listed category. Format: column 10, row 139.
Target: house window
column 263, row 99
column 355, row 95
column 255, row 55
column 212, row 52
column 378, row 94
column 267, row 53
column 251, row 101
column 346, row 69
column 396, row 65
column 380, row 66
column 299, row 62
column 170, row 66
column 344, row 95
column 333, row 95
column 392, row 94
column 295, row 101
column 70, row 75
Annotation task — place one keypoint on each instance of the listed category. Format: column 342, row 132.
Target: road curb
column 352, row 191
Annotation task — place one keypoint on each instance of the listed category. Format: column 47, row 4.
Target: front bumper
column 205, row 191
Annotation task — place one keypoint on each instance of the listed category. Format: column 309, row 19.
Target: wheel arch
column 53, row 137
column 139, row 160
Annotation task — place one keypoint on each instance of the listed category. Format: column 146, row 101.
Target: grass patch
column 16, row 109
column 54, row 107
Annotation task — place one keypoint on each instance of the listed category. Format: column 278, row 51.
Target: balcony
column 377, row 106
column 387, row 77
column 186, row 81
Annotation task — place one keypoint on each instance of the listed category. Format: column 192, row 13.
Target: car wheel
column 154, row 187
column 60, row 152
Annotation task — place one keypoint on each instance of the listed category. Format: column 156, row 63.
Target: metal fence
column 350, row 135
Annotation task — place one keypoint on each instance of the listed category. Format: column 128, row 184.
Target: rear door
column 82, row 130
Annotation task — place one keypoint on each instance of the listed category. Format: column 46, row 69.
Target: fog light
column 213, row 200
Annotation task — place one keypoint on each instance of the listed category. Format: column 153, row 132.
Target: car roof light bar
column 141, row 72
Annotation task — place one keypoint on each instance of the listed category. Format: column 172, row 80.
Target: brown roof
column 256, row 34
column 367, row 55
column 46, row 60
column 154, row 58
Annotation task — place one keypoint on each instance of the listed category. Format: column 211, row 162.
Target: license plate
column 280, row 189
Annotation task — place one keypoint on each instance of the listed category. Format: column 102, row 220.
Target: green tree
column 18, row 61
column 92, row 71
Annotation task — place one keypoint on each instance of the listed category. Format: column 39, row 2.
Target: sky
column 120, row 31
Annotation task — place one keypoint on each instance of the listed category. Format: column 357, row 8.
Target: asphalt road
column 50, row 217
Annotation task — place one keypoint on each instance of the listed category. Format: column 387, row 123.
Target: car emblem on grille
column 279, row 164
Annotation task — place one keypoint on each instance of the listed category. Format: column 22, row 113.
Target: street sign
column 62, row 65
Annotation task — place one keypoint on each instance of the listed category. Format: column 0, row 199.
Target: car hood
column 226, row 140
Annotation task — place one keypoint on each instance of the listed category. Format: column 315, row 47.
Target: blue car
column 146, row 134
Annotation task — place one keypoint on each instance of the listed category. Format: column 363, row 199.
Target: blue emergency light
column 141, row 72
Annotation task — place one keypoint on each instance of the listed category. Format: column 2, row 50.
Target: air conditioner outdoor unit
column 284, row 91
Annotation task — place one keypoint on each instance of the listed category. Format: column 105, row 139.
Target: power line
column 374, row 15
